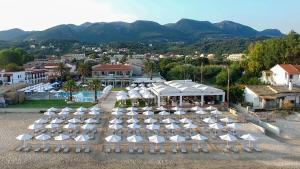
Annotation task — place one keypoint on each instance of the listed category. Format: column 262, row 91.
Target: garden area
column 49, row 103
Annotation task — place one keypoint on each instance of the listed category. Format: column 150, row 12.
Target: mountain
column 185, row 30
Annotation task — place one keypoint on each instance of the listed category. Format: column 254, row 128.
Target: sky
column 42, row 14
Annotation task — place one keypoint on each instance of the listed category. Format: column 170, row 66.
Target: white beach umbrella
column 52, row 126
column 190, row 126
column 147, row 108
column 115, row 121
column 133, row 85
column 121, row 93
column 56, row 121
column 134, row 96
column 164, row 113
column 52, row 109
column 210, row 108
column 168, row 120
column 74, row 120
column 43, row 137
column 67, row 109
column 90, row 121
column 157, row 139
column 216, row 112
column 228, row 138
column 131, row 113
column 64, row 113
column 82, row 138
column 227, row 120
column 148, row 96
column 122, row 97
column 88, row 127
column 115, row 126
column 134, row 139
column 81, row 109
column 185, row 120
column 201, row 112
column 132, row 109
column 249, row 137
column 79, row 113
column 70, row 126
column 148, row 113
column 177, row 108
column 95, row 113
column 132, row 120
column 49, row 113
column 234, row 126
column 35, row 126
column 95, row 109
column 216, row 126
column 209, row 120
column 177, row 139
column 199, row 137
column 172, row 126
column 196, row 108
column 153, row 127
column 62, row 137
column 41, row 121
column 179, row 112
column 150, row 120
column 118, row 109
column 113, row 138
column 24, row 138
column 117, row 113
column 161, row 108
column 134, row 126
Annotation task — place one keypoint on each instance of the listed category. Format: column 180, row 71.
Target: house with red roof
column 283, row 75
column 117, row 75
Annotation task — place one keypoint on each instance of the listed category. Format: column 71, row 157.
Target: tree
column 83, row 70
column 14, row 55
column 70, row 86
column 150, row 68
column 95, row 85
column 61, row 69
column 12, row 67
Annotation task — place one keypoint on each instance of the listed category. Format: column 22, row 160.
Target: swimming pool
column 82, row 96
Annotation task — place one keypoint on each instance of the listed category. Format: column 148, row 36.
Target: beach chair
column 117, row 149
column 87, row 149
column 107, row 149
column 195, row 148
column 130, row 150
column 27, row 148
column 256, row 148
column 247, row 149
column 204, row 150
column 78, row 149
column 66, row 149
column 19, row 148
column 57, row 148
column 234, row 149
column 46, row 148
column 226, row 149
column 37, row 149
column 140, row 150
column 183, row 148
column 162, row 150
column 174, row 149
column 151, row 149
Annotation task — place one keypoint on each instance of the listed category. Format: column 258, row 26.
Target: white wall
column 18, row 77
column 251, row 97
column 280, row 76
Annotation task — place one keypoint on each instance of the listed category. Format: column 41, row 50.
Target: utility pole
column 201, row 73
column 228, row 84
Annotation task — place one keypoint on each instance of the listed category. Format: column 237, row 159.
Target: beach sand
column 276, row 154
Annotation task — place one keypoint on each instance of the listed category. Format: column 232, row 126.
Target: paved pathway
column 108, row 103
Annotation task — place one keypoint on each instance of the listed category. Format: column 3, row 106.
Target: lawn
column 49, row 103
column 118, row 89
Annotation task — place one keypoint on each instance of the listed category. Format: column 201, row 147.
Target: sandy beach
column 275, row 154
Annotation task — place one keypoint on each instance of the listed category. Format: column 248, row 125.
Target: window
column 291, row 76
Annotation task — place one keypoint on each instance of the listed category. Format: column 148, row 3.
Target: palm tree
column 95, row 85
column 61, row 70
column 70, row 86
column 83, row 70
column 150, row 68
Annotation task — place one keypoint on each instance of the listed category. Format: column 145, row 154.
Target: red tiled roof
column 291, row 69
column 108, row 67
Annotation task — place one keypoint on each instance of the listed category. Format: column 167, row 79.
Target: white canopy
column 190, row 126
column 62, row 137
column 153, row 127
column 116, row 121
column 70, row 126
column 164, row 113
column 74, row 120
column 150, row 120
column 82, row 138
column 132, row 120
column 35, row 126
column 185, row 120
column 209, row 120
column 115, row 126
column 148, row 113
column 41, row 121
column 24, row 137
column 43, row 137
column 134, row 139
column 168, row 120
column 134, row 126
column 172, row 126
column 156, row 139
column 199, row 137
column 113, row 138
column 177, row 138
column 216, row 126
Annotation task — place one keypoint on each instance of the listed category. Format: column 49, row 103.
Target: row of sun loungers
column 57, row 149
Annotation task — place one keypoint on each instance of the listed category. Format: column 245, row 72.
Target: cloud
column 42, row 14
